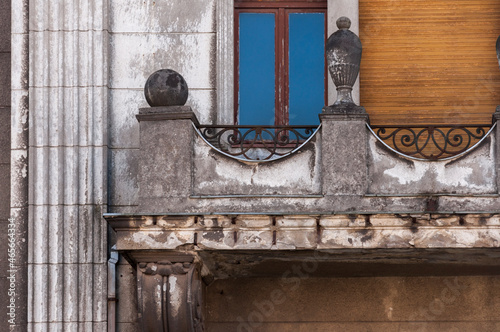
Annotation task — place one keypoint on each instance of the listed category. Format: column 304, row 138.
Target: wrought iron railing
column 436, row 142
column 256, row 143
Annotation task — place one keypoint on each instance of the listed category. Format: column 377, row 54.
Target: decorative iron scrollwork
column 431, row 142
column 256, row 143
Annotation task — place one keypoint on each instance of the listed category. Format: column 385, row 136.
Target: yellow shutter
column 429, row 61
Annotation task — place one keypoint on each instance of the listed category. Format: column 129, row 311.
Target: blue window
column 280, row 62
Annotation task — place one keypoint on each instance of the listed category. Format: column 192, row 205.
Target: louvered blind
column 429, row 61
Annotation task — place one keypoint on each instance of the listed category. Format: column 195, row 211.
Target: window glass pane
column 306, row 67
column 256, row 68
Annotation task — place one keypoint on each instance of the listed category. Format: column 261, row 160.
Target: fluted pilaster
column 68, row 47
column 225, row 62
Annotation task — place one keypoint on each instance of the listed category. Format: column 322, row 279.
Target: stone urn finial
column 343, row 54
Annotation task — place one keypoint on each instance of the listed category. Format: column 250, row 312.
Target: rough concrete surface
column 474, row 173
column 354, row 304
column 338, row 195
column 5, row 168
column 300, row 175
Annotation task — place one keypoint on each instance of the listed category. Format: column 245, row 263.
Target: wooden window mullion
column 281, row 69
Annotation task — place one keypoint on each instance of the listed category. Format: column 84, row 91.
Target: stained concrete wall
column 147, row 36
column 181, row 35
column 4, row 156
column 445, row 303
column 473, row 174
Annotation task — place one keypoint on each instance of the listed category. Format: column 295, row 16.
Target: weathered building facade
column 137, row 218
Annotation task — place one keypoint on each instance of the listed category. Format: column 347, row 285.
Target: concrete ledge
column 232, row 246
column 305, row 232
column 167, row 113
column 344, row 113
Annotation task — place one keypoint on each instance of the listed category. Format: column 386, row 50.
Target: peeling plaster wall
column 472, row 174
column 217, row 175
column 147, row 36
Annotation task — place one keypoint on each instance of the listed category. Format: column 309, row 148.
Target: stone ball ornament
column 343, row 54
column 166, row 87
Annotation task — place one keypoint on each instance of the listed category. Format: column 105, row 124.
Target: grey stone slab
column 124, row 104
column 123, row 181
column 3, row 249
column 126, row 310
column 4, row 302
column 163, row 16
column 20, row 307
column 4, row 191
column 5, row 79
column 5, row 23
column 166, row 160
column 5, row 136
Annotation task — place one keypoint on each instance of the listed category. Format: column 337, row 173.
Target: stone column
column 166, row 157
column 68, row 77
column 344, row 132
column 170, row 295
column 344, row 151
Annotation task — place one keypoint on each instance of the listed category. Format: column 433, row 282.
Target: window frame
column 224, row 44
column 281, row 10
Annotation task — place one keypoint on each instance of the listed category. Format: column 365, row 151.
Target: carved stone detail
column 343, row 53
column 170, row 296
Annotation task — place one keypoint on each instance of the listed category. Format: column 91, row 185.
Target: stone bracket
column 170, row 295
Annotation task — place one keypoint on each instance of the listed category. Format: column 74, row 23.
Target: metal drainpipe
column 112, row 289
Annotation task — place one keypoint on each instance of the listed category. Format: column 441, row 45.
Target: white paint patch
column 454, row 176
column 471, row 174
column 298, row 171
column 405, row 175
column 175, row 296
column 158, row 301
